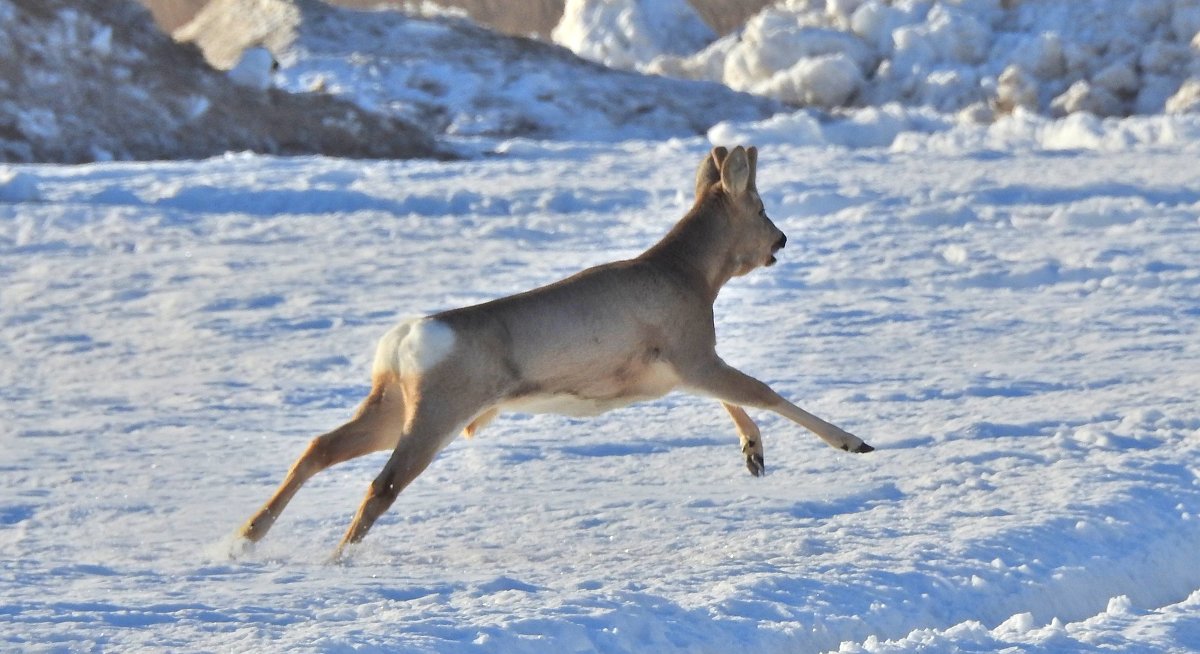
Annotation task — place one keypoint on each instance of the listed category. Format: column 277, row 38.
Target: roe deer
column 608, row 336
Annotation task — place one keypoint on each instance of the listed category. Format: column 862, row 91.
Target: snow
column 17, row 186
column 254, row 69
column 989, row 282
column 457, row 79
column 1014, row 328
column 1107, row 57
column 94, row 80
column 630, row 33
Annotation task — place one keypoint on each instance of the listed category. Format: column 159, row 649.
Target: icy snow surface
column 1016, row 330
column 1106, row 57
column 454, row 77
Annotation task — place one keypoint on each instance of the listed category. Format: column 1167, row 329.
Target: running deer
column 609, row 336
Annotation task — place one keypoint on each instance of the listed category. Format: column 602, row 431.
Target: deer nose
column 781, row 242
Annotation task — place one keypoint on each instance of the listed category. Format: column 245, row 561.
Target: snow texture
column 624, row 33
column 254, row 69
column 1016, row 330
column 1105, row 57
column 1005, row 302
column 459, row 79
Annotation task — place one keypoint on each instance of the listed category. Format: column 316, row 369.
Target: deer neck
column 698, row 246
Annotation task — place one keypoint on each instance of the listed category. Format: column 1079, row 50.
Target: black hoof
column 863, row 449
column 756, row 466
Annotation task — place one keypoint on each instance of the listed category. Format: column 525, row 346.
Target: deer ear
column 719, row 153
column 752, row 155
column 735, row 172
column 709, row 172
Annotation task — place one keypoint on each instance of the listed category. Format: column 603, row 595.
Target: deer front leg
column 751, row 438
column 719, row 380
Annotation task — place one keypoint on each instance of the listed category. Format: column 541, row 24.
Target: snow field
column 1015, row 331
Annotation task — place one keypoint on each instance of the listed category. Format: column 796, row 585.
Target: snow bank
column 630, row 33
column 459, row 79
column 95, row 80
column 1105, row 57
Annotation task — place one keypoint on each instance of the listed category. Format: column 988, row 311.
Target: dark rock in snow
column 86, row 80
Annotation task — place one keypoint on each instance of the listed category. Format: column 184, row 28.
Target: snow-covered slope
column 95, row 80
column 1105, row 57
column 458, row 78
column 1017, row 330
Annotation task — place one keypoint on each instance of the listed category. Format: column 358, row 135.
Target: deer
column 609, row 336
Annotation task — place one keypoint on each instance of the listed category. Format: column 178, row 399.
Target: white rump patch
column 413, row 347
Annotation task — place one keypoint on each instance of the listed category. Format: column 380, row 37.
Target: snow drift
column 457, row 78
column 624, row 33
column 1105, row 57
column 95, row 80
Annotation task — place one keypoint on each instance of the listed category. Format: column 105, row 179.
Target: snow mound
column 1105, row 57
column 631, row 33
column 16, row 186
column 456, row 78
column 254, row 69
column 95, row 80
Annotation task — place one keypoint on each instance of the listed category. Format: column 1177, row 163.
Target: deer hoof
column 863, row 449
column 755, row 464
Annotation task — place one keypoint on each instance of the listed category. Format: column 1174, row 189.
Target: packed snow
column 458, row 79
column 1016, row 330
column 624, row 33
column 985, row 57
column 254, row 69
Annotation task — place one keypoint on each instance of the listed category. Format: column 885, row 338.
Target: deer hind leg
column 432, row 427
column 375, row 427
column 751, row 438
column 719, row 380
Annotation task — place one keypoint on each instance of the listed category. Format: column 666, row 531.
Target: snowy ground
column 1015, row 329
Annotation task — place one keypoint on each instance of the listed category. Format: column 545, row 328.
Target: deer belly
column 593, row 397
